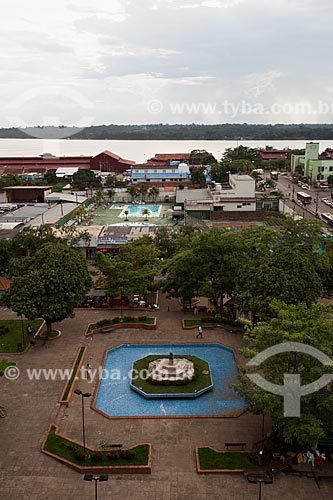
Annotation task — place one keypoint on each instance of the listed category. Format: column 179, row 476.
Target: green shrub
column 113, row 454
column 127, row 454
column 78, row 453
column 3, row 330
column 209, row 320
column 3, row 365
column 104, row 322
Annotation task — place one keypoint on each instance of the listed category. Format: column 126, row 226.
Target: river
column 138, row 151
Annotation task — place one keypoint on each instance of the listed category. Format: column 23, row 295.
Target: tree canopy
column 49, row 285
column 294, row 323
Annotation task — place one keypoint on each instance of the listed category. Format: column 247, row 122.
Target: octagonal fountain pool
column 114, row 397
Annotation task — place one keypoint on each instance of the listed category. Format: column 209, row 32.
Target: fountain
column 171, row 369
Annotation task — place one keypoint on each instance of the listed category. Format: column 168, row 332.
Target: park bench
column 107, row 329
column 234, row 444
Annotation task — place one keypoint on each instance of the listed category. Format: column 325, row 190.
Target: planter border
column 49, row 338
column 70, row 393
column 99, row 469
column 117, row 326
column 214, row 471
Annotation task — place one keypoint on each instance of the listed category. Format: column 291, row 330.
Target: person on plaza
column 30, row 330
column 199, row 336
column 88, row 371
column 195, row 311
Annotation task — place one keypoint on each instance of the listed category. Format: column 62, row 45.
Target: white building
column 237, row 196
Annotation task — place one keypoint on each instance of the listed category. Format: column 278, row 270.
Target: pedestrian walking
column 88, row 371
column 199, row 336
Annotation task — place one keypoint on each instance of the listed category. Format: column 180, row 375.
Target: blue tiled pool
column 136, row 211
column 115, row 398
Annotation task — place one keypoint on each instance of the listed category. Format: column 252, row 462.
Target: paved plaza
column 26, row 473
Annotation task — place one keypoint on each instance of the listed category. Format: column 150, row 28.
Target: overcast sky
column 79, row 62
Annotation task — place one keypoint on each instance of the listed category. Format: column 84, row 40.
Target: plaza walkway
column 25, row 473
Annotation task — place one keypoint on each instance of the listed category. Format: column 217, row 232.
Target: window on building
column 146, row 171
column 331, row 169
column 239, row 206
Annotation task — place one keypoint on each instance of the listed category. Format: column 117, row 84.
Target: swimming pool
column 117, row 207
column 114, row 397
column 136, row 211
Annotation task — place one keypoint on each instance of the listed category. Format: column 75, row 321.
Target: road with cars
column 321, row 198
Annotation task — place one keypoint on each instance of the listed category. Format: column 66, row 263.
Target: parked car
column 305, row 186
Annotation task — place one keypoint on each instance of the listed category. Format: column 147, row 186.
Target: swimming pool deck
column 108, row 216
column 27, row 474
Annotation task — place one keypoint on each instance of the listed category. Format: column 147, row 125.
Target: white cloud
column 120, row 54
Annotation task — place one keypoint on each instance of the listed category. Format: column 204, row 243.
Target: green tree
column 111, row 194
column 281, row 264
column 31, row 239
column 201, row 157
column 80, row 213
column 133, row 192
column 51, row 177
column 166, row 242
column 132, row 270
column 198, row 176
column 6, row 253
column 241, row 153
column 146, row 213
column 219, row 172
column 221, row 255
column 241, row 165
column 143, row 189
column 153, row 193
column 110, row 181
column 99, row 196
column 182, row 277
column 49, row 285
column 311, row 326
column 85, row 179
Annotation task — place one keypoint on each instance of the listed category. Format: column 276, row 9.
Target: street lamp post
column 262, row 431
column 91, row 477
column 22, row 328
column 83, row 395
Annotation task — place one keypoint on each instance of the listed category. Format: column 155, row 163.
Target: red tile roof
column 4, row 283
column 116, row 157
column 171, row 156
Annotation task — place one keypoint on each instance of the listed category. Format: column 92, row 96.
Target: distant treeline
column 177, row 132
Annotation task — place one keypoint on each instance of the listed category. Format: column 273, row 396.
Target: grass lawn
column 9, row 341
column 210, row 459
column 68, row 450
column 126, row 319
column 192, row 322
column 199, row 381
